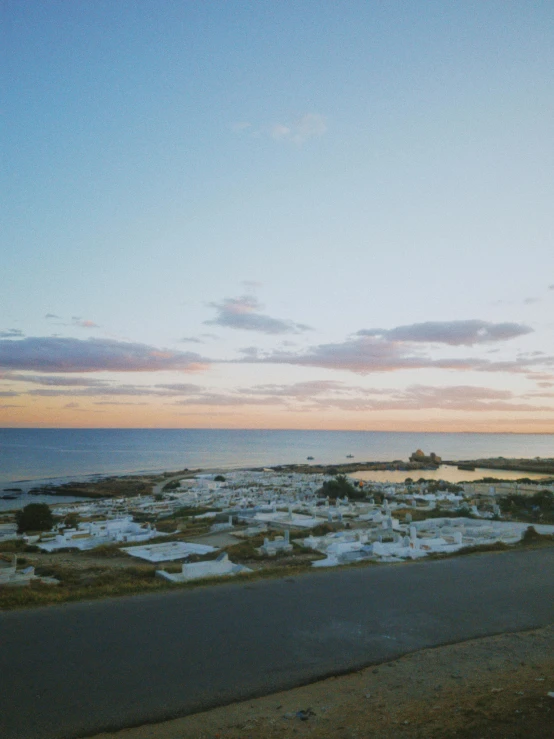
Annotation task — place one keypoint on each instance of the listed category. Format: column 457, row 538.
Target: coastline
column 545, row 469
column 45, row 455
column 76, row 488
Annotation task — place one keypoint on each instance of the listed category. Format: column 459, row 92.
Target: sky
column 278, row 215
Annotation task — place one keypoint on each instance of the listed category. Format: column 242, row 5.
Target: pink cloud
column 57, row 354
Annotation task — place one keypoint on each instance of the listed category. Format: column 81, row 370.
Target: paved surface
column 75, row 670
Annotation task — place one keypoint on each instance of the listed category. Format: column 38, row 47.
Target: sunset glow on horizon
column 279, row 216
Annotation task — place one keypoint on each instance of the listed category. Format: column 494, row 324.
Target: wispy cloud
column 308, row 126
column 11, row 333
column 307, row 389
column 363, row 354
column 243, row 313
column 321, row 395
column 252, row 285
column 60, row 380
column 453, row 398
column 406, row 347
column 120, row 402
column 82, row 322
column 455, row 333
column 297, row 131
column 222, row 399
column 325, row 395
column 169, row 390
column 78, row 321
column 56, row 354
column 180, row 388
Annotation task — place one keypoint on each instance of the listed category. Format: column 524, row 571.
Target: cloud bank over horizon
column 305, row 397
column 43, row 369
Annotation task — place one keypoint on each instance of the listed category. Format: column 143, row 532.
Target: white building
column 95, row 534
column 168, row 551
column 222, row 566
column 279, row 544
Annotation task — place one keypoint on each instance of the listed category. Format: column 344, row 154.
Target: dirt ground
column 491, row 688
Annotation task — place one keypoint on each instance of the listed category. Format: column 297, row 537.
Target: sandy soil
column 492, row 688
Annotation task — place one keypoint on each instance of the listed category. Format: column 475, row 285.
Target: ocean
column 38, row 455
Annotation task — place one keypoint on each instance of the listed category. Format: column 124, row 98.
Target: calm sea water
column 40, row 454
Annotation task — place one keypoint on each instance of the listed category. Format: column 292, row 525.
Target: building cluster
column 92, row 534
column 415, row 540
column 382, row 522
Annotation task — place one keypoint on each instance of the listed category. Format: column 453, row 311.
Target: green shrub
column 339, row 487
column 34, row 517
column 531, row 535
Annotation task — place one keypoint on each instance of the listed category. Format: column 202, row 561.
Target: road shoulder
column 491, row 687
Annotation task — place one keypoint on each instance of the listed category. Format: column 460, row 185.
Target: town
column 194, row 526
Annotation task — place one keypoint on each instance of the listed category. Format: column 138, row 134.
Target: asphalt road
column 74, row 670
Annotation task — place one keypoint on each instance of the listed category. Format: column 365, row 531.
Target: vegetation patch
column 189, row 511
column 78, row 585
column 13, row 546
column 35, row 517
column 340, row 487
column 536, row 508
column 246, row 550
column 107, row 487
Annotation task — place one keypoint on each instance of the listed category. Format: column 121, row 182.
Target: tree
column 34, row 517
column 219, row 478
column 71, row 520
column 339, row 487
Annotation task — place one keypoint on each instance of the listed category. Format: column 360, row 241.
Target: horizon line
column 288, row 430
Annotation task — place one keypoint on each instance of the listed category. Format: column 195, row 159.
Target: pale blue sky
column 345, row 166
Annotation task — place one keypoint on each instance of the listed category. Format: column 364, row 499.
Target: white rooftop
column 168, row 551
